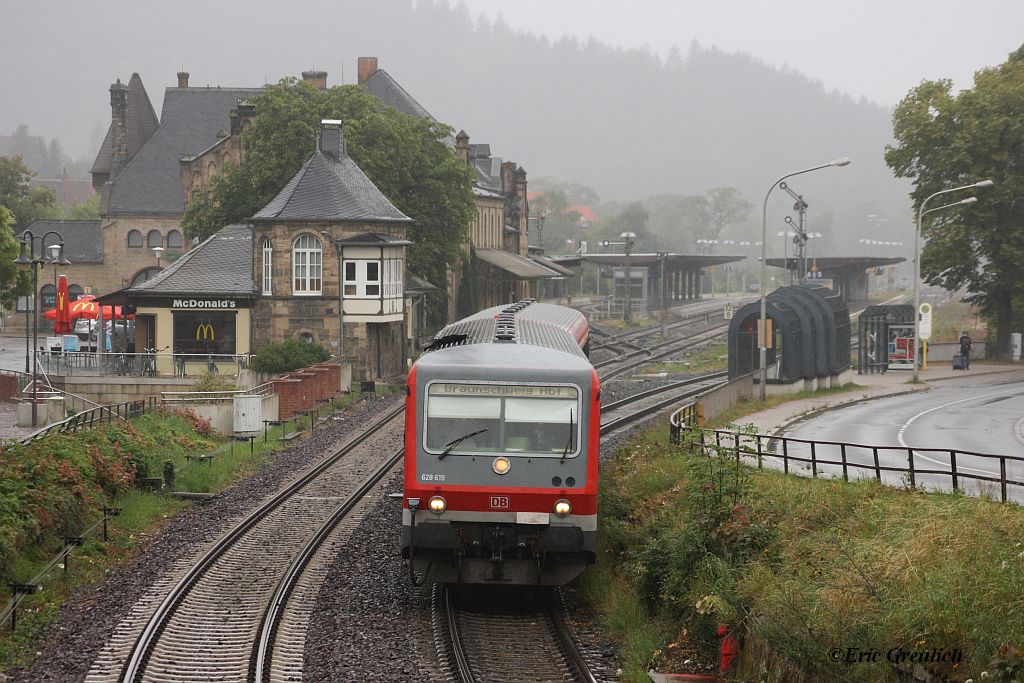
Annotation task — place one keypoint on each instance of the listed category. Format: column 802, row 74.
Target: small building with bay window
column 329, row 255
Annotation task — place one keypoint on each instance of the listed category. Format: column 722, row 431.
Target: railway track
column 522, row 636
column 525, row 637
column 614, row 367
column 200, row 624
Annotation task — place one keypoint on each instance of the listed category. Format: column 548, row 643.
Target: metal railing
column 145, row 364
column 916, row 468
column 177, row 398
column 91, row 418
column 20, row 591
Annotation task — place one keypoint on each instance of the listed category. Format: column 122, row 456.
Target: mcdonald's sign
column 204, row 332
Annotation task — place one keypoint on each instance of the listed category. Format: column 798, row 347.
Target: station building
column 323, row 261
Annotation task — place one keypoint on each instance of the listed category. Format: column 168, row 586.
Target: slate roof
column 142, row 122
column 221, row 266
column 189, row 123
column 330, row 189
column 386, row 89
column 83, row 240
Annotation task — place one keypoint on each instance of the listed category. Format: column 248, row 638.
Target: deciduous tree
column 945, row 140
column 404, row 156
column 25, row 203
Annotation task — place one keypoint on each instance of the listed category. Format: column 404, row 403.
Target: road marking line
column 899, row 434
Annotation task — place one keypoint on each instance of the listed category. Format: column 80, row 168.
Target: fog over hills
column 624, row 122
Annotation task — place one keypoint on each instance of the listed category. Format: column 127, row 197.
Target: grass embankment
column 58, row 487
column 803, row 570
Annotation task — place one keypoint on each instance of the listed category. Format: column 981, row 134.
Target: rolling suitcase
column 958, row 362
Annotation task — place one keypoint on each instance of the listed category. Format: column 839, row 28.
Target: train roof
column 526, row 322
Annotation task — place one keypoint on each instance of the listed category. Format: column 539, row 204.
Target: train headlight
column 563, row 507
column 437, row 504
column 501, row 465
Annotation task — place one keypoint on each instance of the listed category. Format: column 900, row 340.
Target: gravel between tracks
column 90, row 614
column 370, row 625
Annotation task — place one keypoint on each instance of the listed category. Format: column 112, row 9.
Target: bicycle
column 121, row 364
column 149, row 361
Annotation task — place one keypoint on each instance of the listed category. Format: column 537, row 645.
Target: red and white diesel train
column 501, row 449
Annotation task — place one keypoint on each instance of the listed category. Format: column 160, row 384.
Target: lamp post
column 159, row 252
column 28, row 259
column 762, row 321
column 627, row 239
column 921, row 212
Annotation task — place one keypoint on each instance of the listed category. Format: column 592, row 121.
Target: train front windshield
column 502, row 418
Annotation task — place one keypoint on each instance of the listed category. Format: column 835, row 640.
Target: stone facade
column 375, row 349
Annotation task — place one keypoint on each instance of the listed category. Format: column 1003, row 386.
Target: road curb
column 814, row 412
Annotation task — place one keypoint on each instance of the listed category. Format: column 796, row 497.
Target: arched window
column 174, row 240
column 144, row 275
column 307, row 266
column 134, row 239
column 75, row 292
column 197, row 181
column 154, row 239
column 48, row 297
column 268, row 266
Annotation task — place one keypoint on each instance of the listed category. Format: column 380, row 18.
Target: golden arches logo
column 204, row 332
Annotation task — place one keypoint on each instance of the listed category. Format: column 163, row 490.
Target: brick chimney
column 508, row 171
column 242, row 116
column 119, row 127
column 182, row 79
column 462, row 145
column 318, row 79
column 367, row 67
column 332, row 139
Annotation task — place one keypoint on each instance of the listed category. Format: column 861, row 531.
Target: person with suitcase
column 965, row 350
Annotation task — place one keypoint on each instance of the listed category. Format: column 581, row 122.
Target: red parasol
column 62, row 314
column 87, row 307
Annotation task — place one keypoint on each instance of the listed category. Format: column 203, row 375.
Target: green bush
column 56, row 486
column 288, row 355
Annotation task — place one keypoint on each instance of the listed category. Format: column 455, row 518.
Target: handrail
column 760, row 447
column 16, row 599
column 89, row 418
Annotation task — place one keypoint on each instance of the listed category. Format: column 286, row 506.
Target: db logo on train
column 500, row 502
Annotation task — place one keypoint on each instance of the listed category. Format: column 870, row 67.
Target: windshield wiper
column 572, row 431
column 455, row 442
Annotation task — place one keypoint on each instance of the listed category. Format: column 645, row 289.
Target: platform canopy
column 687, row 261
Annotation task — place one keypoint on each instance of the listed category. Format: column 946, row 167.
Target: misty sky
column 879, row 49
column 59, row 57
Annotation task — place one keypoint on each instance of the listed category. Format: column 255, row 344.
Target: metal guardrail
column 94, row 417
column 836, row 457
column 152, row 364
column 22, row 590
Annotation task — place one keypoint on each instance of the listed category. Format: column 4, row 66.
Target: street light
column 762, row 321
column 917, row 254
column 28, row 259
column 627, row 241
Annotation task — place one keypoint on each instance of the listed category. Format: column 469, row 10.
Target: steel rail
column 461, row 661
column 259, row 668
column 568, row 642
column 139, row 656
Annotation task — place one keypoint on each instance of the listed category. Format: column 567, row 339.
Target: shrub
column 288, row 355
